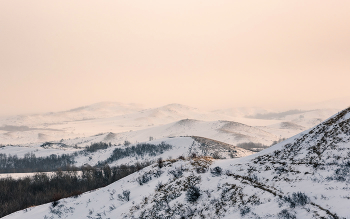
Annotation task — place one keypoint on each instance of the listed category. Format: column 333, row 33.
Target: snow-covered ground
column 306, row 176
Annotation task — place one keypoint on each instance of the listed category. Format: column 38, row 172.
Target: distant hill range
column 132, row 122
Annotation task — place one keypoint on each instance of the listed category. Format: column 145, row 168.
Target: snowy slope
column 306, row 176
column 225, row 131
column 181, row 146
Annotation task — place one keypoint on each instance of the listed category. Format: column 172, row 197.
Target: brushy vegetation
column 297, row 199
column 143, row 179
column 285, row 214
column 42, row 188
column 138, row 150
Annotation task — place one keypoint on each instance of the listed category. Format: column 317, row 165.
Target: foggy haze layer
column 57, row 55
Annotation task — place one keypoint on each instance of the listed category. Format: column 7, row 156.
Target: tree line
column 31, row 163
column 18, row 194
column 141, row 149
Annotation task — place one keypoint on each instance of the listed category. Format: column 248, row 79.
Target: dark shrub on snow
column 193, row 194
column 216, row 171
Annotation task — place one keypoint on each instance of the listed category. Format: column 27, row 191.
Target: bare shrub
column 192, row 194
column 216, row 155
column 245, row 210
column 284, row 214
column 177, row 173
column 160, row 162
column 216, row 171
column 146, row 177
column 297, row 199
column 125, row 196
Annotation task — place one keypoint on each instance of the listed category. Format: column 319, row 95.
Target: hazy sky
column 56, row 55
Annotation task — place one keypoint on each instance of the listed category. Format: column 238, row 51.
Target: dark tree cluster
column 97, row 146
column 252, row 146
column 43, row 188
column 280, row 115
column 31, row 163
column 138, row 150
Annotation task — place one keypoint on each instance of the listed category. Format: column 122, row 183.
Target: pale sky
column 61, row 54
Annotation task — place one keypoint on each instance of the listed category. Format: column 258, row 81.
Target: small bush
column 245, row 210
column 193, row 155
column 280, row 170
column 55, row 203
column 160, row 162
column 177, row 173
column 125, row 196
column 181, row 157
column 192, row 194
column 158, row 173
column 297, row 199
column 144, row 178
column 284, row 214
column 201, row 170
column 216, row 171
column 159, row 186
column 343, row 173
column 216, row 155
column 56, row 197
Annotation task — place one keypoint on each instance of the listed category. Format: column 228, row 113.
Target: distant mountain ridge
column 113, row 117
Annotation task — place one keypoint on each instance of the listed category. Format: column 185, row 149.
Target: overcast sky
column 56, row 55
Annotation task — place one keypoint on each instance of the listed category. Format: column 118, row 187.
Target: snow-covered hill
column 117, row 118
column 180, row 146
column 306, row 176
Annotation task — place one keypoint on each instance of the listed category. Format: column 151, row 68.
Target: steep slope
column 306, row 176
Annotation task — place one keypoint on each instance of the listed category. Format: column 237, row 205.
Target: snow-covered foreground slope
column 306, row 176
